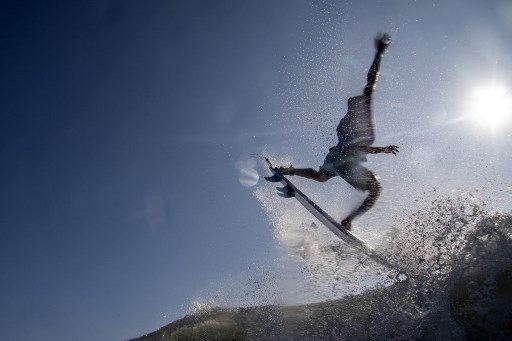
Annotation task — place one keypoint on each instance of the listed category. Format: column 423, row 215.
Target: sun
column 490, row 106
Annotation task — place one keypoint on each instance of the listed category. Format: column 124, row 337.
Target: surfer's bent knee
column 374, row 189
column 323, row 178
column 374, row 185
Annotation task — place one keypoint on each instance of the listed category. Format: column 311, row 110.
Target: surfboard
column 290, row 191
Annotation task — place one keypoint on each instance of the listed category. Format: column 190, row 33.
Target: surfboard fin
column 285, row 195
column 273, row 178
column 285, row 192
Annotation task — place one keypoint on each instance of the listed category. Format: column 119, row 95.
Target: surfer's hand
column 382, row 42
column 391, row 149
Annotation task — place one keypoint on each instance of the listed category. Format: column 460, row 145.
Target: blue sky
column 122, row 123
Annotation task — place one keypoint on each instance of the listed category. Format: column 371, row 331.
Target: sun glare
column 490, row 106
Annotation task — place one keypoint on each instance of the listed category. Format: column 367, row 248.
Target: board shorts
column 349, row 167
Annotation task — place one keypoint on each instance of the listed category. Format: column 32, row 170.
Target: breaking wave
column 456, row 252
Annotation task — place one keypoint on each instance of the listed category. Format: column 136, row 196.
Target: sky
column 124, row 125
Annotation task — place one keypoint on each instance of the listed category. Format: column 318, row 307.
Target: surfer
column 356, row 134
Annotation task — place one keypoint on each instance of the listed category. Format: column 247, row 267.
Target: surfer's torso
column 357, row 127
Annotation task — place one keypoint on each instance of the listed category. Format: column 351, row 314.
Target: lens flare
column 248, row 177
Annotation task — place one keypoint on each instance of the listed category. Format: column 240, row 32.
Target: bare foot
column 347, row 224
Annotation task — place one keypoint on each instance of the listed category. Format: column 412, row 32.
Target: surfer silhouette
column 356, row 134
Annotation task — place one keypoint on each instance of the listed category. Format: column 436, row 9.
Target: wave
column 457, row 254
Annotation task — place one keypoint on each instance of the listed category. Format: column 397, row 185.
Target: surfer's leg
column 308, row 173
column 361, row 178
column 381, row 44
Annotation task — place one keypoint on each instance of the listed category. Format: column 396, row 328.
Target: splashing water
column 457, row 254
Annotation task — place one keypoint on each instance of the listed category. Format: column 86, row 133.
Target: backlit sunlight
column 490, row 106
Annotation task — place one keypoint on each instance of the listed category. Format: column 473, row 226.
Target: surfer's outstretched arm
column 376, row 150
column 382, row 42
column 308, row 173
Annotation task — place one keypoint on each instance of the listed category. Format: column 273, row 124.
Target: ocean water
column 456, row 252
column 458, row 255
